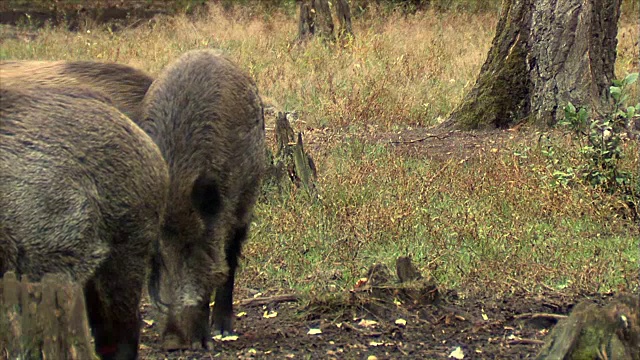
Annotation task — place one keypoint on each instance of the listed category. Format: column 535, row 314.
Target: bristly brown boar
column 83, row 195
column 206, row 116
column 123, row 84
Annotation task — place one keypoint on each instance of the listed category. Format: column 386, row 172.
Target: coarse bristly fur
column 206, row 116
column 123, row 84
column 83, row 193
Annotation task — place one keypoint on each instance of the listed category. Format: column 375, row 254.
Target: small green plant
column 601, row 144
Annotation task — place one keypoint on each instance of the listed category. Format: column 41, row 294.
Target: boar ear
column 205, row 196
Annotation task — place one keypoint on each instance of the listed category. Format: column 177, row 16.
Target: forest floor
column 362, row 324
column 482, row 326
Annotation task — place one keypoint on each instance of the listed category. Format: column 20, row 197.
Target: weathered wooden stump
column 379, row 288
column 594, row 332
column 44, row 320
column 291, row 164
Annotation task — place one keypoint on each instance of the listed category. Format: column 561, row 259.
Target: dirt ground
column 483, row 327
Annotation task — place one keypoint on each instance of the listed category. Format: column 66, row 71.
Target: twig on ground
column 428, row 136
column 539, row 315
column 362, row 331
column 269, row 300
column 525, row 342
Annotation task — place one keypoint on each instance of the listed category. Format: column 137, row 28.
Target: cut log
column 45, row 320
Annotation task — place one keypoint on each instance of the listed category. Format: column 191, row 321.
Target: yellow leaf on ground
column 457, row 354
column 270, row 314
column 225, row 338
column 367, row 323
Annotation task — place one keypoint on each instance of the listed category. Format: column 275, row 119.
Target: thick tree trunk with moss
column 544, row 54
column 44, row 320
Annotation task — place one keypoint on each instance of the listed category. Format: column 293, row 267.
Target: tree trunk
column 323, row 19
column 44, row 320
column 545, row 53
column 315, row 18
column 306, row 26
column 344, row 18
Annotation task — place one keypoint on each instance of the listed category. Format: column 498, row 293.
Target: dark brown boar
column 82, row 194
column 206, row 116
column 123, row 84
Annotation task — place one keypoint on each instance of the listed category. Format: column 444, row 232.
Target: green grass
column 474, row 223
column 495, row 221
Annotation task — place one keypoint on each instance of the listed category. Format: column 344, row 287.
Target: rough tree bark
column 45, row 320
column 544, row 54
column 344, row 18
column 291, row 165
column 323, row 19
column 315, row 19
column 306, row 25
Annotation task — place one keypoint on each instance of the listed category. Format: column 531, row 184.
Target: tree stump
column 593, row 332
column 45, row 320
column 291, row 163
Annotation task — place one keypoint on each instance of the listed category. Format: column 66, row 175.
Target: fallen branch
column 264, row 300
column 428, row 136
column 362, row 331
column 539, row 315
column 525, row 342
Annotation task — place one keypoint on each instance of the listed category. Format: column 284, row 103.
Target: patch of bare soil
column 509, row 326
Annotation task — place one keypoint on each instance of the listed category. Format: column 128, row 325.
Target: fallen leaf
column 270, row 314
column 457, row 354
column 367, row 323
column 314, row 332
column 372, row 357
column 148, row 322
column 241, row 314
column 226, row 338
column 361, row 282
column 401, row 322
column 375, row 343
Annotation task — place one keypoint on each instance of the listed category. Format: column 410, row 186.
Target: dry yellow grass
column 497, row 220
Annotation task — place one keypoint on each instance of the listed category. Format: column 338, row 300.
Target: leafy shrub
column 601, row 144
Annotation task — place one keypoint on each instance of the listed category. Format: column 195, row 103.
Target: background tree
column 544, row 54
column 315, row 19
